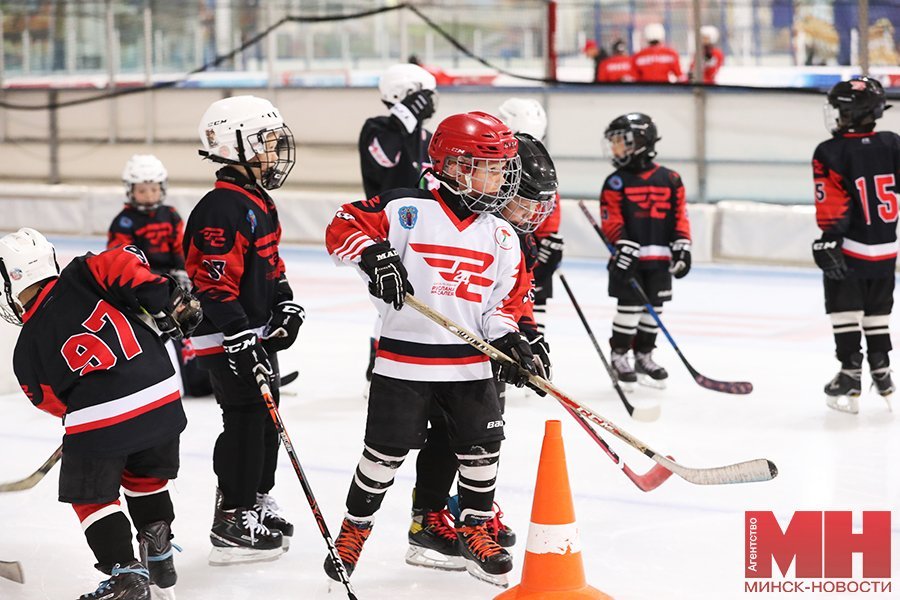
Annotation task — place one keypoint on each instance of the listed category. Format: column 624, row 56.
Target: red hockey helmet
column 475, row 154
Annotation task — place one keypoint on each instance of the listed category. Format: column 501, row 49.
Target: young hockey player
column 157, row 229
column 855, row 175
column 644, row 214
column 87, row 354
column 393, row 149
column 231, row 243
column 432, row 539
column 465, row 262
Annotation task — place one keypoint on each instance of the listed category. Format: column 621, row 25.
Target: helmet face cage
column 621, row 146
column 485, row 184
column 274, row 151
column 526, row 214
column 129, row 193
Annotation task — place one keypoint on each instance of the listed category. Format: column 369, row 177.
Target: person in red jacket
column 657, row 62
column 617, row 66
column 713, row 57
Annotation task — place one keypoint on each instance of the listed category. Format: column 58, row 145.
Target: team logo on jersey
column 504, row 237
column 460, row 270
column 251, row 218
column 126, row 222
column 408, row 216
column 651, row 198
column 157, row 235
column 214, row 236
column 615, row 182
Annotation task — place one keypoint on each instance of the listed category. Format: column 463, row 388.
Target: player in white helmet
column 656, row 62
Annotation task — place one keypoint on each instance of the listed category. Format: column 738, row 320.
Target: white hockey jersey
column 470, row 270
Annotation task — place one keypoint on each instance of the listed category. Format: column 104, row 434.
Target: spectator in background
column 596, row 54
column 713, row 57
column 656, row 62
column 617, row 67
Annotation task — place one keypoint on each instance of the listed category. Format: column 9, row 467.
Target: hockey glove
column 414, row 110
column 550, row 252
column 387, row 275
column 182, row 279
column 284, row 325
column 625, row 261
column 681, row 258
column 515, row 346
column 246, row 356
column 828, row 256
column 181, row 316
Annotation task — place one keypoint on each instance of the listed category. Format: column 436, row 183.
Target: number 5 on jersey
column 887, row 207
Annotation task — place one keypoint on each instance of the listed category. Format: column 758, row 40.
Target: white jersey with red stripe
column 467, row 267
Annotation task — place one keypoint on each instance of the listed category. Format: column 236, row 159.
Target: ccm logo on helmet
column 214, row 123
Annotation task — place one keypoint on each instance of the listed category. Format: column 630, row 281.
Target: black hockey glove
column 284, row 325
column 414, row 110
column 387, row 275
column 181, row 316
column 182, row 279
column 541, row 351
column 246, row 356
column 550, row 251
column 828, row 256
column 515, row 346
column 625, row 261
column 681, row 258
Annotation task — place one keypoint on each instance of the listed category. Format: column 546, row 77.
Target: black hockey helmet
column 536, row 196
column 854, row 105
column 632, row 140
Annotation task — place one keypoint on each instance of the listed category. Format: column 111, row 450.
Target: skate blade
column 887, row 399
column 479, row 574
column 647, row 381
column 418, row 556
column 158, row 593
column 223, row 557
column 845, row 404
column 285, row 542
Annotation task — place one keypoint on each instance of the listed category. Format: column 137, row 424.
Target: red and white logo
column 504, row 237
column 459, row 268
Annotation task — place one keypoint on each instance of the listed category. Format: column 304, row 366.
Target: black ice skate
column 622, row 368
column 127, row 582
column 270, row 515
column 842, row 392
column 349, row 544
column 432, row 541
column 648, row 372
column 880, row 370
column 485, row 559
column 501, row 532
column 155, row 541
column 237, row 536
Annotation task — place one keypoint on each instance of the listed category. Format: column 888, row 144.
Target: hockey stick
column 304, row 483
column 12, row 571
column 727, row 387
column 289, row 378
column 641, row 414
column 33, row 479
column 759, row 469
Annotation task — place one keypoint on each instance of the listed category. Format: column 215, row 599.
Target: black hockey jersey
column 855, row 176
column 390, row 158
column 231, row 244
column 84, row 354
column 648, row 208
column 158, row 234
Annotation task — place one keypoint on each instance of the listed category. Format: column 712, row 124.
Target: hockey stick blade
column 726, row 387
column 33, row 479
column 746, row 472
column 12, row 571
column 289, row 378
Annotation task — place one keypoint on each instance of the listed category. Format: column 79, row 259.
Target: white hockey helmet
column 654, row 32
column 399, row 81
column 26, row 258
column 524, row 115
column 235, row 130
column 709, row 34
column 144, row 168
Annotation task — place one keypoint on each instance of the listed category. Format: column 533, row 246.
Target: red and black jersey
column 158, row 234
column 390, row 158
column 85, row 355
column 231, row 244
column 856, row 177
column 646, row 207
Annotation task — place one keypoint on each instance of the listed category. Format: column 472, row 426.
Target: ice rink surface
column 680, row 541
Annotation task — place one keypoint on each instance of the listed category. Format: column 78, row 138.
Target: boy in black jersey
column 88, row 353
column 855, row 175
column 231, row 243
column 644, row 214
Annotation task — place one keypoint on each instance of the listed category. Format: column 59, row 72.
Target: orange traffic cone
column 553, row 568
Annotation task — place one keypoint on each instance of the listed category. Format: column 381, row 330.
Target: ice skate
column 842, row 392
column 270, row 515
column 349, row 544
column 501, row 532
column 126, row 582
column 433, row 543
column 880, row 370
column 623, row 370
column 648, row 372
column 237, row 536
column 155, row 541
column 485, row 559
